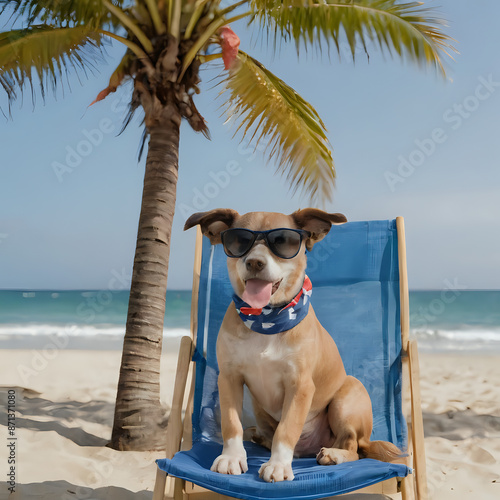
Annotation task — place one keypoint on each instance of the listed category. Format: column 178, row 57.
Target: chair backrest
column 355, row 277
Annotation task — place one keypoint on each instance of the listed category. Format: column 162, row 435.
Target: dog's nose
column 255, row 264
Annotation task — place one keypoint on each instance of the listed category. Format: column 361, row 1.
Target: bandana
column 271, row 320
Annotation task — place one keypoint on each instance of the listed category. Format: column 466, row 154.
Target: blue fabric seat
column 356, row 296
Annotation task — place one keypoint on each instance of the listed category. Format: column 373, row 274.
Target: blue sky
column 405, row 142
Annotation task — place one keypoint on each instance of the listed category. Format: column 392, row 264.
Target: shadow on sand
column 454, row 425
column 58, row 416
column 62, row 490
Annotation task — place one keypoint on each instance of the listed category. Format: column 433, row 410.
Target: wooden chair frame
column 179, row 430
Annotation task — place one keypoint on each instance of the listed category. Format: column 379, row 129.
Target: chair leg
column 407, row 488
column 160, row 483
column 417, row 424
column 174, row 428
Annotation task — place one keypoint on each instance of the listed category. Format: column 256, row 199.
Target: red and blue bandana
column 271, row 320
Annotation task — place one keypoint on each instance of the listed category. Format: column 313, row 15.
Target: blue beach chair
column 360, row 295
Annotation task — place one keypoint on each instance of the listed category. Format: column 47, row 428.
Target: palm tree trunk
column 138, row 415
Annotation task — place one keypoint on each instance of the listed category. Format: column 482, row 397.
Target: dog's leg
column 266, row 426
column 350, row 419
column 233, row 459
column 297, row 403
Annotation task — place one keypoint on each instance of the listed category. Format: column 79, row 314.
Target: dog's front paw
column 276, row 471
column 230, row 464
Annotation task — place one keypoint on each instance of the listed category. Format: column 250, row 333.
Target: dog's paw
column 276, row 471
column 326, row 457
column 230, row 464
column 334, row 456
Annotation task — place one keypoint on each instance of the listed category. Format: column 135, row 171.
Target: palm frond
column 202, row 41
column 206, row 37
column 67, row 13
column 130, row 23
column 269, row 111
column 198, row 8
column 132, row 46
column 409, row 29
column 47, row 53
column 119, row 75
column 156, row 17
column 175, row 18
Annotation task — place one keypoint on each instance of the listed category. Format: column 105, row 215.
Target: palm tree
column 165, row 43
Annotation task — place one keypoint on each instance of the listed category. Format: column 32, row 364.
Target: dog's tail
column 382, row 450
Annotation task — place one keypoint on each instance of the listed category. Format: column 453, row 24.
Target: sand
column 65, row 401
column 461, row 409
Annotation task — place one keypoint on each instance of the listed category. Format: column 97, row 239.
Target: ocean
column 445, row 320
column 78, row 319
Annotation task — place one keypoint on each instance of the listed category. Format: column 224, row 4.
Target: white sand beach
column 65, row 401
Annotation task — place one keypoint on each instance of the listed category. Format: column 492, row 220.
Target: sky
column 406, row 142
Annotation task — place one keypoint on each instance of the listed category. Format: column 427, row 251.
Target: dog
column 271, row 341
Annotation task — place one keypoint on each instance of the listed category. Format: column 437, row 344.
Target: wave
column 458, row 339
column 75, row 330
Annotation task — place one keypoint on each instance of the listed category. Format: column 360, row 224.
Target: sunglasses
column 285, row 243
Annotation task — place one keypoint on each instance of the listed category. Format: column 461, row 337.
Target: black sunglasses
column 283, row 242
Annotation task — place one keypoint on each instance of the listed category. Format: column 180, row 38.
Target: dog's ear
column 317, row 222
column 213, row 222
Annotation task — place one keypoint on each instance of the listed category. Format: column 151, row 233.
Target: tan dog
column 304, row 403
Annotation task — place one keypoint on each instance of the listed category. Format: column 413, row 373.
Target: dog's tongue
column 257, row 293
